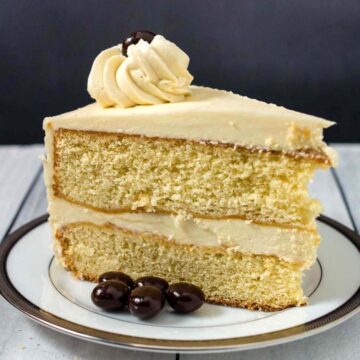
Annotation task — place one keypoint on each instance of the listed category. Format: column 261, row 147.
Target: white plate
column 32, row 281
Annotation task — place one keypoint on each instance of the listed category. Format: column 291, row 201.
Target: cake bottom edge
column 254, row 282
column 211, row 299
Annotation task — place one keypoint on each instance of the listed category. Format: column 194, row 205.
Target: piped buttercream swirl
column 151, row 74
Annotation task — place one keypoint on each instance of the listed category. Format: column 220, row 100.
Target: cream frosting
column 151, row 73
column 291, row 245
column 207, row 115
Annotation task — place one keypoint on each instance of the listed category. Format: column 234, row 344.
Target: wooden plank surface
column 348, row 173
column 23, row 339
column 18, row 168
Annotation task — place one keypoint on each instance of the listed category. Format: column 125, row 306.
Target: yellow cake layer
column 116, row 172
column 227, row 278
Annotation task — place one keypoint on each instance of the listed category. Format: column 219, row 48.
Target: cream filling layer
column 207, row 115
column 291, row 245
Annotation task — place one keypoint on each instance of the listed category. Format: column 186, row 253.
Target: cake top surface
column 207, row 115
column 205, row 100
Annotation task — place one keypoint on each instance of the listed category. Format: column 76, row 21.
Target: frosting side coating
column 236, row 235
column 152, row 73
column 207, row 115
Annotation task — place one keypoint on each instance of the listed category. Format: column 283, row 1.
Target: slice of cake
column 188, row 183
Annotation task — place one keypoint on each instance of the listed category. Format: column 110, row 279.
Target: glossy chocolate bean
column 119, row 276
column 135, row 37
column 110, row 295
column 158, row 282
column 145, row 301
column 184, row 297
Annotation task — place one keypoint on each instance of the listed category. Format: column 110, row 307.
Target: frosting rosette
column 151, row 73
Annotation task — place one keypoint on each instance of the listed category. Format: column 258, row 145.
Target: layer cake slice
column 207, row 187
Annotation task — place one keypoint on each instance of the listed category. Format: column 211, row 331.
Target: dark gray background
column 304, row 55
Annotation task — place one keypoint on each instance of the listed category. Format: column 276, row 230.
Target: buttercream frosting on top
column 207, row 115
column 151, row 73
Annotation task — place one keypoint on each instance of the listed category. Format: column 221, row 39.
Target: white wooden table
column 22, row 198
